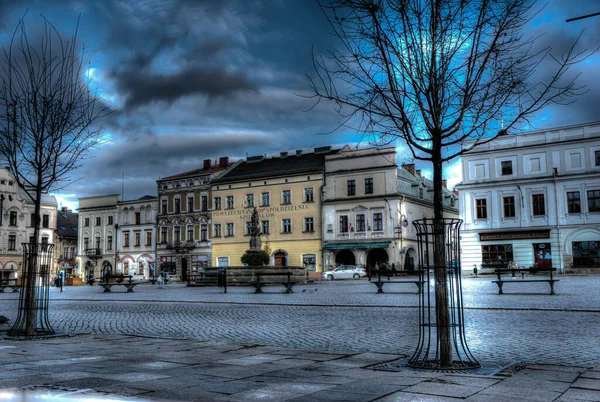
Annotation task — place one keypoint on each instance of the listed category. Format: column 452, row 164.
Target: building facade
column 17, row 224
column 184, row 219
column 286, row 190
column 369, row 205
column 98, row 236
column 65, row 251
column 136, row 234
column 533, row 198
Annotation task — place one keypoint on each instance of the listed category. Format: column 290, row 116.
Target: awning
column 340, row 246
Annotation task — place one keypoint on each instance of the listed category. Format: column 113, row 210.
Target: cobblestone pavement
column 342, row 317
column 129, row 368
column 573, row 293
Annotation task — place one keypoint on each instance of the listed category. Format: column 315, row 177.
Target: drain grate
column 402, row 365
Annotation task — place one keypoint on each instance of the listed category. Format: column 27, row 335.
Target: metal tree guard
column 35, row 285
column 427, row 354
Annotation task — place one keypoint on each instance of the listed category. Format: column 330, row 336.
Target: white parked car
column 344, row 272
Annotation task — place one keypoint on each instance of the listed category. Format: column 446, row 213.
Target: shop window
column 168, row 265
column 497, row 255
column 586, row 253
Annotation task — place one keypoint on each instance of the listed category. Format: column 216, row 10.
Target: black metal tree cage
column 34, row 292
column 432, row 329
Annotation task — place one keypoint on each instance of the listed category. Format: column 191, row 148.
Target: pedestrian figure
column 393, row 269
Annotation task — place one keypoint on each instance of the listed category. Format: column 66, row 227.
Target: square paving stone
column 132, row 377
column 470, row 380
column 452, row 390
column 182, row 394
column 373, row 388
column 535, row 384
column 591, row 374
column 575, row 394
column 516, row 391
column 550, row 375
column 587, row 383
column 320, row 357
column 569, row 369
column 410, row 397
column 331, row 396
column 252, row 360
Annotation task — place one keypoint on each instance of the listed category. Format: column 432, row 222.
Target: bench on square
column 9, row 283
column 258, row 284
column 129, row 284
column 500, row 282
column 379, row 283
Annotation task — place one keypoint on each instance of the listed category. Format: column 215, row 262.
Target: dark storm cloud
column 142, row 88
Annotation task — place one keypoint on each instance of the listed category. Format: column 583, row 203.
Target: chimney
column 418, row 172
column 64, row 209
column 455, row 192
column 224, row 161
column 206, row 164
column 410, row 167
column 298, row 152
column 283, row 155
column 445, row 183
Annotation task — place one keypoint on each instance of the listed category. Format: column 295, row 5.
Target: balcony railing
column 93, row 253
column 181, row 246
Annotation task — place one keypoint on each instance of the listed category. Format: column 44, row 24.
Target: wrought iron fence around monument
column 427, row 354
column 32, row 317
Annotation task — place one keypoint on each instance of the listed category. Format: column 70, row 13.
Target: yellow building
column 286, row 191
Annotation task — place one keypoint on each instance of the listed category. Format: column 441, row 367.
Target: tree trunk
column 442, row 314
column 32, row 269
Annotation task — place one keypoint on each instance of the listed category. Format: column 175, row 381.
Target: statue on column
column 255, row 242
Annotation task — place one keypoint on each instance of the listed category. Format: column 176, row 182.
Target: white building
column 97, row 235
column 136, row 233
column 533, row 198
column 17, row 223
column 369, row 205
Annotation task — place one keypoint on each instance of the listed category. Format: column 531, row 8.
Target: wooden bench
column 379, row 283
column 9, row 283
column 129, row 284
column 258, row 284
column 500, row 282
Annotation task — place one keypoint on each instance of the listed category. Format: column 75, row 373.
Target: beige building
column 369, row 206
column 97, row 235
column 286, row 190
column 17, row 224
column 184, row 219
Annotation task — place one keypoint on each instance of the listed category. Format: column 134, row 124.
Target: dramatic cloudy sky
column 196, row 79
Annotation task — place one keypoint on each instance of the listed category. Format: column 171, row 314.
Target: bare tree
column 47, row 116
column 434, row 73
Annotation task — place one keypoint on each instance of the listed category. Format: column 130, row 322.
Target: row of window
column 190, row 205
column 12, row 219
column 507, row 166
column 12, row 241
column 126, row 240
column 286, row 227
column 109, row 220
column 178, row 233
column 361, row 224
column 351, row 185
column 538, row 204
column 265, row 199
column 585, row 253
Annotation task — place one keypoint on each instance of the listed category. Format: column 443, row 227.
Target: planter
column 74, row 282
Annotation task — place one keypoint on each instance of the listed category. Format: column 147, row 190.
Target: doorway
column 542, row 255
column 279, row 259
column 345, row 257
column 184, row 269
column 377, row 259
